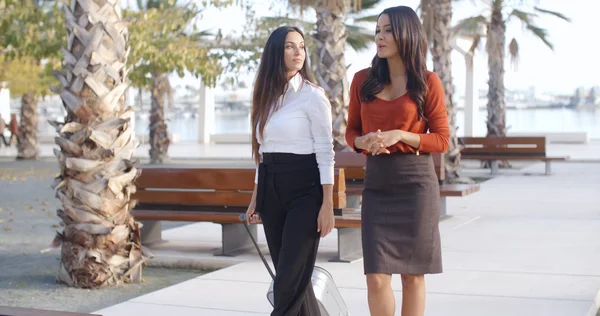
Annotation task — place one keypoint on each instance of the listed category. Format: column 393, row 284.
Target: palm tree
column 166, row 41
column 30, row 46
column 161, row 87
column 501, row 12
column 437, row 16
column 330, row 64
column 100, row 242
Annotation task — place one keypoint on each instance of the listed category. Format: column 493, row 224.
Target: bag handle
column 242, row 218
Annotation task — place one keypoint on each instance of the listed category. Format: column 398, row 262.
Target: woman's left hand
column 389, row 138
column 325, row 221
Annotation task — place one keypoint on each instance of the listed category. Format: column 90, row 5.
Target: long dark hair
column 412, row 45
column 271, row 82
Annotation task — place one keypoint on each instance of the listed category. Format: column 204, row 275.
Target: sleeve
column 438, row 138
column 319, row 114
column 354, row 125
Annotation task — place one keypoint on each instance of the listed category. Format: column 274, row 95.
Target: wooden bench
column 20, row 311
column 354, row 166
column 220, row 195
column 494, row 149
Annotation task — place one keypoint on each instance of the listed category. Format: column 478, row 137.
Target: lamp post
column 465, row 44
column 469, row 106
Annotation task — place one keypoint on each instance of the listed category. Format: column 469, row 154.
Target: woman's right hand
column 371, row 142
column 365, row 141
column 251, row 216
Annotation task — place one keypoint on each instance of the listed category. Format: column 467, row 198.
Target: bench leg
column 353, row 201
column 443, row 210
column 548, row 169
column 151, row 232
column 235, row 239
column 494, row 166
column 349, row 245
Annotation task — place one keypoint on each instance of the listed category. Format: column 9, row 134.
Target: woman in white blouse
column 293, row 147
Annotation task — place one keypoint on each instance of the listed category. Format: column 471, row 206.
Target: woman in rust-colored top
column 397, row 116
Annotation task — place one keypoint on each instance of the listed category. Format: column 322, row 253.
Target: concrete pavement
column 524, row 245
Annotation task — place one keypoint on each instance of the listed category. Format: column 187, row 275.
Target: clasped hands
column 377, row 142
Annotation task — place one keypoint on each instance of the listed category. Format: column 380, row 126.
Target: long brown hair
column 412, row 45
column 271, row 82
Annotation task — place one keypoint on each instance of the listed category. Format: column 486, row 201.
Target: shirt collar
column 295, row 82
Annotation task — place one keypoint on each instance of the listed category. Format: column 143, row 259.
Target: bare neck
column 397, row 69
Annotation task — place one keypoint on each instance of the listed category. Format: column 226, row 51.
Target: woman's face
column 294, row 54
column 384, row 38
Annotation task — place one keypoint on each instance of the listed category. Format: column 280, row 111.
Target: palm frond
column 302, row 3
column 279, row 20
column 469, row 26
column 358, row 38
column 513, row 50
column 369, row 18
column 554, row 13
column 541, row 33
column 365, row 5
column 353, row 4
column 525, row 17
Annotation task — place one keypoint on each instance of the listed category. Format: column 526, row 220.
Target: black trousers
column 289, row 198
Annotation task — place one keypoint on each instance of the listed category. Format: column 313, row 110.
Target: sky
column 572, row 63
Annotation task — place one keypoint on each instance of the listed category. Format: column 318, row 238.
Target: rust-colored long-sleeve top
column 401, row 113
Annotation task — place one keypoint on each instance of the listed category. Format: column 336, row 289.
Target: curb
column 595, row 308
column 177, row 262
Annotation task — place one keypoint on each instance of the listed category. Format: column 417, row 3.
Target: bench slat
column 354, row 173
column 496, row 156
column 216, row 217
column 19, row 311
column 503, row 151
column 197, row 178
column 189, row 208
column 538, row 141
column 223, row 198
column 192, row 198
column 458, row 189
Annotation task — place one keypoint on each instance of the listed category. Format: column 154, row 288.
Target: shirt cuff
column 326, row 174
column 256, row 176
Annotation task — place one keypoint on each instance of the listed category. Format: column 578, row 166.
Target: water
column 517, row 120
column 187, row 128
column 539, row 120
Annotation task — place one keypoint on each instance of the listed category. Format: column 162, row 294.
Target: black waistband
column 286, row 162
column 286, row 158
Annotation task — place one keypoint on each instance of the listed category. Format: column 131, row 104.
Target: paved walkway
column 522, row 246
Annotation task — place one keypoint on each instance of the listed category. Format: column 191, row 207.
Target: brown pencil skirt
column 400, row 214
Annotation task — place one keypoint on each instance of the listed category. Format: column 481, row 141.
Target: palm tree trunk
column 496, row 108
column 101, row 240
column 442, row 65
column 27, row 138
column 330, row 65
column 159, row 137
